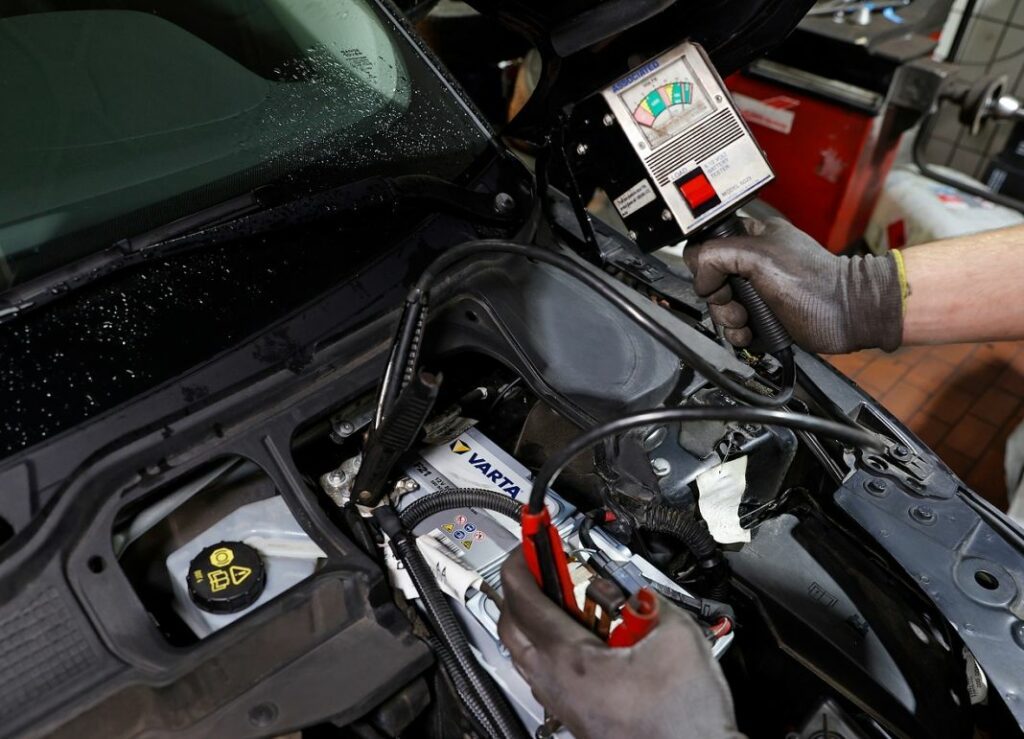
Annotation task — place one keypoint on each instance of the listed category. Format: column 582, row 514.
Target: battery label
column 475, row 537
column 472, row 460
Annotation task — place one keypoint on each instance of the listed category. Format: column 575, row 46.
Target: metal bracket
column 901, row 463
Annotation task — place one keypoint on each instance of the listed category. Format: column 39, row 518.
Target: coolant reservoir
column 248, row 557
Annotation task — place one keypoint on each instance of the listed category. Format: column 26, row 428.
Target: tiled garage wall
column 993, row 44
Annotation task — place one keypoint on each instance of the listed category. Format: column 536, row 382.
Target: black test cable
column 405, row 349
column 765, row 416
column 403, row 362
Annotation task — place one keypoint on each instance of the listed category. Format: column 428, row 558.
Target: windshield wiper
column 382, row 199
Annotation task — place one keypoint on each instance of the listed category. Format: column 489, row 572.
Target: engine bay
column 732, row 522
column 306, row 532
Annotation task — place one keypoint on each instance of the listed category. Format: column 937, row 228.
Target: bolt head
column 406, row 485
column 263, row 714
column 344, row 428
column 582, row 149
column 1018, row 633
column 504, row 203
column 666, row 215
column 661, row 466
column 877, row 487
column 923, row 514
column 655, row 438
column 608, row 120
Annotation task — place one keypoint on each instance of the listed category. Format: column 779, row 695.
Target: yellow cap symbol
column 239, row 573
column 218, row 580
column 222, row 557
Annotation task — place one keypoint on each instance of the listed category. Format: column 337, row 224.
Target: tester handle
column 770, row 336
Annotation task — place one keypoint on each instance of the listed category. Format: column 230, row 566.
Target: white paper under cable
column 721, row 489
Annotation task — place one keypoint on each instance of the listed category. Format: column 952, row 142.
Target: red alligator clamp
column 545, row 556
column 639, row 616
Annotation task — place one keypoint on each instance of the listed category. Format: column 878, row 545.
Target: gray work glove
column 668, row 685
column 828, row 304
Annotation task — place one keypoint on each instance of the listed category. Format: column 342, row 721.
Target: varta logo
column 486, row 469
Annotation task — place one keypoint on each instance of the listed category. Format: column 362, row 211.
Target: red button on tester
column 697, row 191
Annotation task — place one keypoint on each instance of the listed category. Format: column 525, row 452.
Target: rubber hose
column 692, row 532
column 446, row 627
column 447, row 500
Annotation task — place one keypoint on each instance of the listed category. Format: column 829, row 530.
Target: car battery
column 479, row 540
column 668, row 146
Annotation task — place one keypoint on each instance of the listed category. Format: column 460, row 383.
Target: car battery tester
column 669, row 148
column 672, row 152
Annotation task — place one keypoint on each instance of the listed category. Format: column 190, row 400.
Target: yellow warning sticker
column 239, row 573
column 467, row 544
column 448, row 527
column 222, row 557
column 459, row 446
column 219, row 579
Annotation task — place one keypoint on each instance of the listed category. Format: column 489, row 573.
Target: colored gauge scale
column 661, row 99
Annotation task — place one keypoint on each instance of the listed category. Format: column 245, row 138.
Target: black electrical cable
column 462, row 686
column 692, row 532
column 695, row 536
column 447, row 500
column 447, row 659
column 478, row 692
column 558, row 461
column 405, row 350
column 486, row 699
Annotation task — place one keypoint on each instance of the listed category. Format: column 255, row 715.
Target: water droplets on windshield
column 340, row 113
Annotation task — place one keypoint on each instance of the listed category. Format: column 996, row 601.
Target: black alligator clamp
column 397, row 432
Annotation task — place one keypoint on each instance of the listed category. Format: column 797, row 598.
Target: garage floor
column 963, row 400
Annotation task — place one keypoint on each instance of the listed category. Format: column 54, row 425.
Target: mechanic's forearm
column 969, row 288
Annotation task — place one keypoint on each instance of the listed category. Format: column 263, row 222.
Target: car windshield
column 117, row 116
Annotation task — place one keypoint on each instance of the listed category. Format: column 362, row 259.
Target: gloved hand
column 668, row 685
column 828, row 304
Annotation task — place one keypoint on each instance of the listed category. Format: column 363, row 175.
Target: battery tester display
column 699, row 159
column 667, row 102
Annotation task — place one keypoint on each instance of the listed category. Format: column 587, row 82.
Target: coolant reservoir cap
column 226, row 577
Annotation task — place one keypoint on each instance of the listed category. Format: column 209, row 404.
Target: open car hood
column 587, row 44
